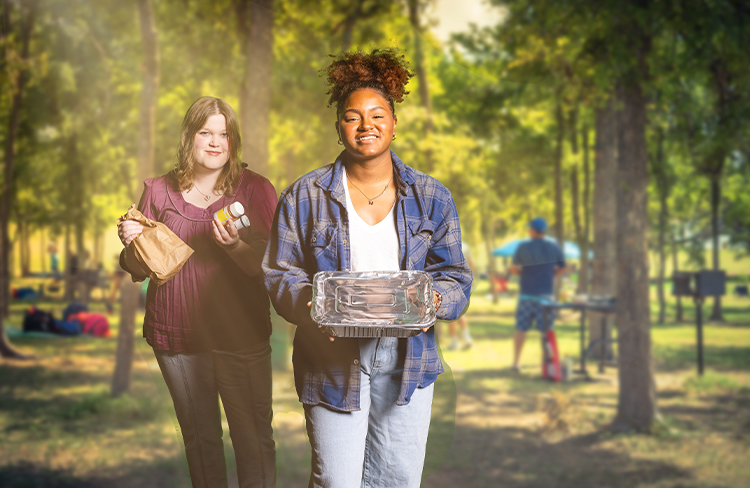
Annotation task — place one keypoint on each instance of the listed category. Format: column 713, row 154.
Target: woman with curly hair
column 367, row 402
column 210, row 324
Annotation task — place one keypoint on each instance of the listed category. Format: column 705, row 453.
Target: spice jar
column 242, row 222
column 233, row 211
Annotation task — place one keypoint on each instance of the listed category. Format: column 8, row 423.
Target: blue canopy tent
column 570, row 249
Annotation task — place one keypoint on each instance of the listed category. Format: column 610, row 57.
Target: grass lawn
column 490, row 427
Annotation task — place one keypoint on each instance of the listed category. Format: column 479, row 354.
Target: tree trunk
column 76, row 216
column 129, row 291
column 81, row 281
column 581, row 229
column 604, row 267
column 6, row 349
column 349, row 23
column 663, row 190
column 724, row 86
column 576, row 212
column 716, row 314
column 559, row 224
column 489, row 242
column 573, row 131
column 662, row 259
column 675, row 268
column 559, row 229
column 255, row 97
column 125, row 336
column 69, row 271
column 419, row 67
column 43, row 250
column 13, row 266
column 583, row 277
column 424, row 90
column 97, row 257
column 637, row 396
column 23, row 246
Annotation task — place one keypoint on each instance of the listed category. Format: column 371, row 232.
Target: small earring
column 340, row 143
column 394, row 137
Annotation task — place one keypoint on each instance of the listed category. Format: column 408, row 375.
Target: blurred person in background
column 210, row 325
column 367, row 401
column 537, row 262
column 54, row 261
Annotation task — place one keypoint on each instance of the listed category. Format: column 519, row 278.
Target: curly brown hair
column 385, row 70
column 195, row 118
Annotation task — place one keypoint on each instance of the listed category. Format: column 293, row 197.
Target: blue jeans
column 383, row 444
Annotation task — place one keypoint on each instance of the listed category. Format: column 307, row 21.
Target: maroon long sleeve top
column 211, row 303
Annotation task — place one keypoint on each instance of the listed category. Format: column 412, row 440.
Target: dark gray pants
column 243, row 379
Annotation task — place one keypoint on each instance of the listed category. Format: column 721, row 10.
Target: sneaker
column 453, row 346
column 467, row 345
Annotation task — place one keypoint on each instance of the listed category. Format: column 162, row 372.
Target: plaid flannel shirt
column 310, row 233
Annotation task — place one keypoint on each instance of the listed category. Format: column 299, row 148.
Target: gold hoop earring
column 394, row 137
column 340, row 143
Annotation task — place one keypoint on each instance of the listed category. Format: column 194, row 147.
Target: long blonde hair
column 194, row 120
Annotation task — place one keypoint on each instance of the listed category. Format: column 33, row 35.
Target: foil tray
column 373, row 303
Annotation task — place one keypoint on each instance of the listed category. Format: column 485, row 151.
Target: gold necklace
column 206, row 197
column 371, row 201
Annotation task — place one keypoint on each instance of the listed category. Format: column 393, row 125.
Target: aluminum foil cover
column 373, row 299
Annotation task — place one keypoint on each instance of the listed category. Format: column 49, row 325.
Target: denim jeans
column 243, row 379
column 383, row 444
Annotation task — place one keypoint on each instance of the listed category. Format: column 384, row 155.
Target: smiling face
column 367, row 124
column 211, row 144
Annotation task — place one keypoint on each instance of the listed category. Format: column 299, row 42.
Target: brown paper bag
column 158, row 250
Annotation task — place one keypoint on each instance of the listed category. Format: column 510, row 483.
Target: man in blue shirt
column 537, row 262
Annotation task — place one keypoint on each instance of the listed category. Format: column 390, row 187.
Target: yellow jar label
column 222, row 215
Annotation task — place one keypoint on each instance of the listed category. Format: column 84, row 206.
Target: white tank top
column 373, row 247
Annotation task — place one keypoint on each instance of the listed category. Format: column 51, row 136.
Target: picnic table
column 583, row 307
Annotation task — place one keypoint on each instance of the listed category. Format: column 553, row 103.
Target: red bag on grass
column 94, row 324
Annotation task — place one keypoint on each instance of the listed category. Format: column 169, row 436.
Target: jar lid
column 236, row 209
column 242, row 222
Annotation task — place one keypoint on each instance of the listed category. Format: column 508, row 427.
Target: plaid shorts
column 529, row 310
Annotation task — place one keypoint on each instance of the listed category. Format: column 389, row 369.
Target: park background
column 625, row 124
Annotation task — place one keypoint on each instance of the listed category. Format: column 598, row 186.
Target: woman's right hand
column 129, row 230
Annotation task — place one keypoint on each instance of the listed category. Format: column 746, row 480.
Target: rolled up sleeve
column 286, row 280
column 446, row 264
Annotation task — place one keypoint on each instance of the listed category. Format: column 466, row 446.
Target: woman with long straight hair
column 210, row 325
column 367, row 402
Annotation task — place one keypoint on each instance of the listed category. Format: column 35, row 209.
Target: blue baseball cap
column 539, row 225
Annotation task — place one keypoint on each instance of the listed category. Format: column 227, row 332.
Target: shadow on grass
column 88, row 407
column 518, row 458
column 734, row 315
column 28, row 475
column 721, row 411
column 40, row 377
column 723, row 358
column 163, row 473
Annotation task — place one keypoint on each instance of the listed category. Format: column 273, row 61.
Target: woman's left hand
column 226, row 237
